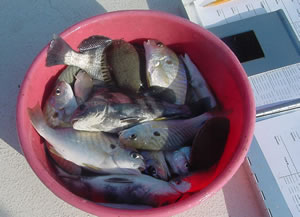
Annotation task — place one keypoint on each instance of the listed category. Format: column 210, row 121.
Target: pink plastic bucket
column 215, row 60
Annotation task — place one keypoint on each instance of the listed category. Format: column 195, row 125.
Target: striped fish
column 166, row 135
column 98, row 152
column 91, row 57
column 107, row 113
column 165, row 70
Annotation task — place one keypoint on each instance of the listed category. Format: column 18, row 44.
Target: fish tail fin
column 37, row 119
column 36, row 115
column 58, row 52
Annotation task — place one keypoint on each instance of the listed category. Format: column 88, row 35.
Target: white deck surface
column 26, row 26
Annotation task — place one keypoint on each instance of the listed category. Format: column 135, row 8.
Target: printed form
column 276, row 86
column 235, row 10
column 279, row 140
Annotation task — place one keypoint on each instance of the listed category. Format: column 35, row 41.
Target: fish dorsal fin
column 93, row 42
column 118, row 180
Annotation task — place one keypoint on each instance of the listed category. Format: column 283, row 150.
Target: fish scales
column 178, row 136
column 165, row 70
column 180, row 83
column 162, row 135
column 91, row 59
column 92, row 150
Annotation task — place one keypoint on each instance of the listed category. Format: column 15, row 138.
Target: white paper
column 276, row 86
column 240, row 9
column 279, row 140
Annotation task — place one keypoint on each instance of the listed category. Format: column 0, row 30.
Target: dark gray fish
column 199, row 95
column 92, row 59
column 124, row 62
column 127, row 189
column 112, row 116
column 209, row 143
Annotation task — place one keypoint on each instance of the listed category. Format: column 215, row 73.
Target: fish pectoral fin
column 131, row 120
column 118, row 180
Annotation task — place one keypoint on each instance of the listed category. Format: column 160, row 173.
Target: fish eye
column 57, row 92
column 112, row 146
column 156, row 133
column 186, row 165
column 151, row 170
column 132, row 136
column 135, row 155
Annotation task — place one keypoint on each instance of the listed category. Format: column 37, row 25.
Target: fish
column 68, row 74
column 124, row 62
column 83, row 86
column 209, row 143
column 179, row 161
column 56, row 159
column 164, row 135
column 164, row 69
column 111, row 116
column 127, row 189
column 156, row 164
column 199, row 95
column 91, row 58
column 60, row 105
column 98, row 152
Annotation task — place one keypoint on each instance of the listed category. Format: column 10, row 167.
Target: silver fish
column 60, row 105
column 165, row 70
column 67, row 166
column 111, row 116
column 163, row 135
column 128, row 189
column 91, row 57
column 199, row 92
column 83, row 86
column 179, row 160
column 156, row 165
column 98, row 152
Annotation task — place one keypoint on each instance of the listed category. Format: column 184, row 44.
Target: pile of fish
column 121, row 118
